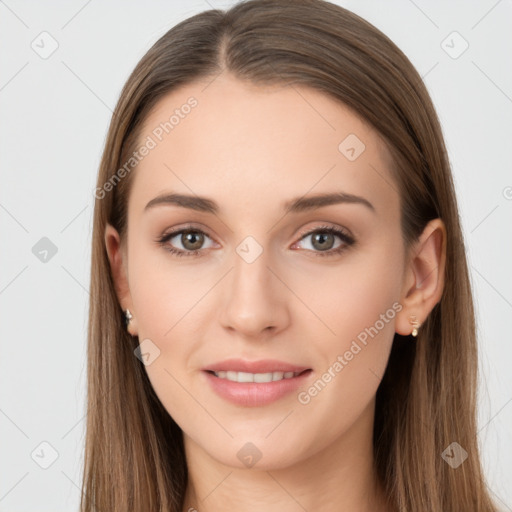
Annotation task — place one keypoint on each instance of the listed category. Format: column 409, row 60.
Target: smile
column 255, row 377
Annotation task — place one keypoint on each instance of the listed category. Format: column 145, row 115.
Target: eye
column 323, row 240
column 191, row 240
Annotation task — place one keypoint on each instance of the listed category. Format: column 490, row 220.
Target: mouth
column 244, row 377
column 255, row 383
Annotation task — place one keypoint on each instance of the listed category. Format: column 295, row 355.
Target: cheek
column 162, row 292
column 172, row 305
column 353, row 296
column 358, row 302
column 164, row 298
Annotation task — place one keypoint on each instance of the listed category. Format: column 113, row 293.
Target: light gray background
column 55, row 113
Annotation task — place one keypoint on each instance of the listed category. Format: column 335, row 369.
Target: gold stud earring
column 128, row 316
column 415, row 324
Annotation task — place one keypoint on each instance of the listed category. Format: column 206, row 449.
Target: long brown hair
column 134, row 455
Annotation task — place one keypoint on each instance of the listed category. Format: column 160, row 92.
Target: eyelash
column 345, row 237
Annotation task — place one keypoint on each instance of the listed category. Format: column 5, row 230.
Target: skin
column 250, row 149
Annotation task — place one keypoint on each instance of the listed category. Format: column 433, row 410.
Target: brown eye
column 322, row 241
column 192, row 240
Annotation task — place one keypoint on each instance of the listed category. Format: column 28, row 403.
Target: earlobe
column 424, row 278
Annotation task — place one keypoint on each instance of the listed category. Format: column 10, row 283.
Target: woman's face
column 268, row 282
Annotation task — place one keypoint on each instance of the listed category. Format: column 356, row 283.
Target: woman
column 281, row 315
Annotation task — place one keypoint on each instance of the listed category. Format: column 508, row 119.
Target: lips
column 255, row 383
column 261, row 366
column 255, row 394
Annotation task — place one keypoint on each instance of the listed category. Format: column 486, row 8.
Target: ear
column 423, row 277
column 118, row 265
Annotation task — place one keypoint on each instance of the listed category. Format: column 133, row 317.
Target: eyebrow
column 300, row 204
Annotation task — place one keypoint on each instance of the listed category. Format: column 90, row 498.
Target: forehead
column 244, row 144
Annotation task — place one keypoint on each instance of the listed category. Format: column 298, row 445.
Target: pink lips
column 254, row 394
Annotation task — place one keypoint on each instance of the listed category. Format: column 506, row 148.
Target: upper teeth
column 255, row 377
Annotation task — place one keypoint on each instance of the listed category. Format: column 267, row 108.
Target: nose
column 255, row 299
